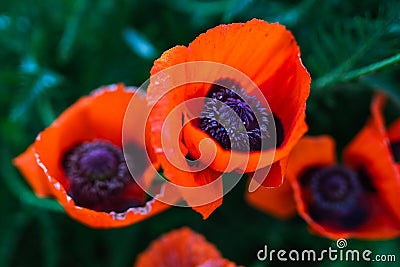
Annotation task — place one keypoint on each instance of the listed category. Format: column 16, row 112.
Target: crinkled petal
column 181, row 247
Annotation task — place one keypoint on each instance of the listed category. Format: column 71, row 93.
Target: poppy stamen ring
column 97, row 174
column 222, row 99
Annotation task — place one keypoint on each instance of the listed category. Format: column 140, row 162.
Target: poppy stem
column 328, row 80
column 371, row 68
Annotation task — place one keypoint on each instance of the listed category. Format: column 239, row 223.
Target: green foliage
column 351, row 43
column 53, row 52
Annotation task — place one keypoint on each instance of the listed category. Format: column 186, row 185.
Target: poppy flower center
column 335, row 187
column 100, row 163
column 337, row 197
column 225, row 113
column 98, row 175
column 396, row 150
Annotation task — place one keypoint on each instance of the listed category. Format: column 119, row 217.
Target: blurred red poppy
column 183, row 248
column 377, row 148
column 338, row 201
column 269, row 56
column 79, row 161
column 357, row 199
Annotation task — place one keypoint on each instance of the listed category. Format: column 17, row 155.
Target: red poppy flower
column 380, row 149
column 269, row 56
column 79, row 161
column 337, row 201
column 342, row 201
column 357, row 199
column 183, row 248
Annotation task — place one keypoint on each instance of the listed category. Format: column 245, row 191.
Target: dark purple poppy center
column 338, row 197
column 335, row 187
column 395, row 146
column 98, row 175
column 236, row 120
column 99, row 163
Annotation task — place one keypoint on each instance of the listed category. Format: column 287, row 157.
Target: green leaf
column 328, row 80
column 352, row 48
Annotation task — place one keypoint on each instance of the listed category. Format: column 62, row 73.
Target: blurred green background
column 52, row 52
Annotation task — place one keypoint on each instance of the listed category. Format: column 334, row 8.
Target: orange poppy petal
column 370, row 150
column 162, row 106
column 310, row 152
column 106, row 112
column 27, row 165
column 169, row 58
column 292, row 137
column 276, row 174
column 181, row 247
column 289, row 88
column 67, row 131
column 191, row 191
column 278, row 202
column 214, row 191
column 97, row 219
column 256, row 48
